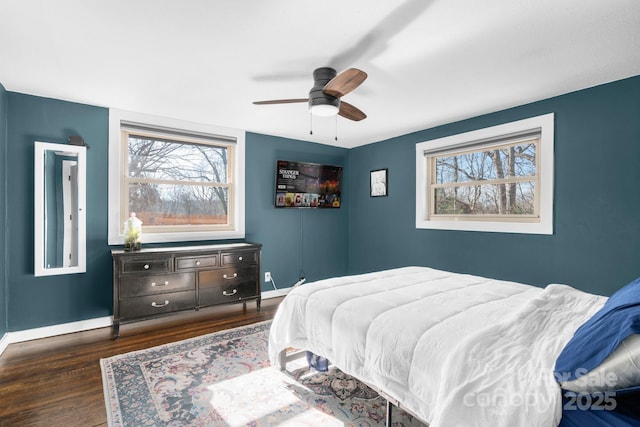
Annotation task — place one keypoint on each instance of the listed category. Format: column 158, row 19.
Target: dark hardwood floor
column 57, row 381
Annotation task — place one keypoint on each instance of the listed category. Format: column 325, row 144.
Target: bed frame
column 285, row 357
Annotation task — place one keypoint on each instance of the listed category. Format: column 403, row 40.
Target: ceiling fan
column 328, row 88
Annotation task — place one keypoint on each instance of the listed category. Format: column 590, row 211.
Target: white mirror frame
column 39, row 213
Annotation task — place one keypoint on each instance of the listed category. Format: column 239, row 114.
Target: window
column 183, row 180
column 496, row 179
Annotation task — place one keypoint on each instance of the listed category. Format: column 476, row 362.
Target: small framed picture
column 379, row 182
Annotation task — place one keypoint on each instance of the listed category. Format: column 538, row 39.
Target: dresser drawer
column 151, row 265
column 150, row 305
column 134, row 286
column 183, row 263
column 227, row 285
column 239, row 258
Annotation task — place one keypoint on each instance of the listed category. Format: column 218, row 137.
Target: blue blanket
column 626, row 412
column 591, row 344
column 599, row 336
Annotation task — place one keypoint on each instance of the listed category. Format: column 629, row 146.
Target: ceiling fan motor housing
column 321, row 77
column 328, row 89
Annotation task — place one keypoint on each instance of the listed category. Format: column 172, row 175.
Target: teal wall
column 43, row 301
column 595, row 247
column 596, row 243
column 3, row 184
column 312, row 240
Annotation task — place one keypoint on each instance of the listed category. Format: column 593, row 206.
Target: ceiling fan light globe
column 324, row 110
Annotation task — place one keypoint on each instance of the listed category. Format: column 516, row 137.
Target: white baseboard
column 275, row 293
column 4, row 342
column 84, row 325
column 53, row 330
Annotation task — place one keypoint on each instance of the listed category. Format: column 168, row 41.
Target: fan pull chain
column 336, row 137
column 310, row 124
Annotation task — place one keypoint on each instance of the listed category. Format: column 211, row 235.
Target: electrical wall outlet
column 267, row 276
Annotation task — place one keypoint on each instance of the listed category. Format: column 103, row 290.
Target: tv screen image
column 307, row 185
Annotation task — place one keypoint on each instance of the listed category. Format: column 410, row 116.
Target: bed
column 457, row 349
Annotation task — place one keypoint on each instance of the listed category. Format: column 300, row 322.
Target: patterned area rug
column 225, row 379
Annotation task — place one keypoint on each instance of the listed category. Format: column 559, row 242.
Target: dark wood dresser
column 156, row 282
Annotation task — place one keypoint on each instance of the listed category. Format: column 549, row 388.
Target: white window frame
column 545, row 164
column 117, row 156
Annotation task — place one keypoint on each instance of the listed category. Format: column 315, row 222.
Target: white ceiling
column 429, row 62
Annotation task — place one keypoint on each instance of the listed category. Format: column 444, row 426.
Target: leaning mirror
column 59, row 209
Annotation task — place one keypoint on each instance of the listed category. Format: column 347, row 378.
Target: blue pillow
column 599, row 336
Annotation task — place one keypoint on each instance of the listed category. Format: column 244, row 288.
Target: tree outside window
column 173, row 182
column 500, row 180
column 495, row 179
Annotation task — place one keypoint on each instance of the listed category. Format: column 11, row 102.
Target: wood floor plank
column 57, row 381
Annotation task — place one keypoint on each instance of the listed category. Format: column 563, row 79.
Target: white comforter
column 454, row 349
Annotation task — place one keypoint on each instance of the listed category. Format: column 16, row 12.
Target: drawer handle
column 232, row 277
column 197, row 262
column 228, row 294
column 166, row 282
column 155, row 304
column 239, row 258
column 146, row 266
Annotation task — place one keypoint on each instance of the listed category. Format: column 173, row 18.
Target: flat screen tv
column 307, row 185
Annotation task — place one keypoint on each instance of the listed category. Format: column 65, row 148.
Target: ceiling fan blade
column 350, row 112
column 345, row 82
column 281, row 101
column 375, row 42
